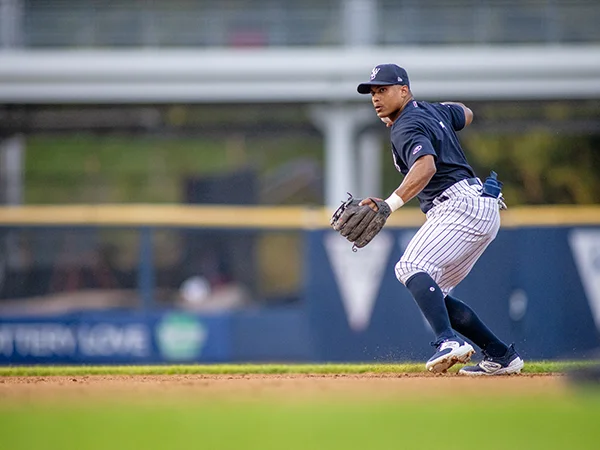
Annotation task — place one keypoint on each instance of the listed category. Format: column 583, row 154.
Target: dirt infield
column 286, row 387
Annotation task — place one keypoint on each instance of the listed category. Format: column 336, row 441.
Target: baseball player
column 462, row 219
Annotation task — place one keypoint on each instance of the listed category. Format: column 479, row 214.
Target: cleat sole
column 462, row 356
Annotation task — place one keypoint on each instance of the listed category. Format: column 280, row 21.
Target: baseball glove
column 360, row 224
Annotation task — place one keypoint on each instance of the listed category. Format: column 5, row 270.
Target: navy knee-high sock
column 430, row 300
column 464, row 320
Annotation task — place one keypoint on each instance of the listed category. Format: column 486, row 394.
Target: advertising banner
column 170, row 337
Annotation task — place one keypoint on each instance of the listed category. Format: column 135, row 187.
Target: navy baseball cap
column 384, row 75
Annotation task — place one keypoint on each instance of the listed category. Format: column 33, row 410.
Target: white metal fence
column 233, row 23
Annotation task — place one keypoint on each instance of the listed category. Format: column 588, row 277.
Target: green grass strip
column 537, row 367
column 531, row 423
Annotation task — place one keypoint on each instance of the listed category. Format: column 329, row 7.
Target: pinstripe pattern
column 456, row 233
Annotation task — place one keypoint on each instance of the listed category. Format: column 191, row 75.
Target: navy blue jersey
column 430, row 129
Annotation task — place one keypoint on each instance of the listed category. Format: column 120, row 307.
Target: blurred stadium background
column 167, row 168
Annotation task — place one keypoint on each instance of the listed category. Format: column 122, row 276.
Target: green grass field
column 537, row 367
column 511, row 423
column 424, row 419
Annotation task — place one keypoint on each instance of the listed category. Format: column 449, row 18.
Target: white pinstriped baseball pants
column 456, row 233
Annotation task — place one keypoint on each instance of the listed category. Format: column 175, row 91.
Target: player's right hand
column 388, row 122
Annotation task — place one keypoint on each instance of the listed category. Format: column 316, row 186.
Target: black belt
column 442, row 198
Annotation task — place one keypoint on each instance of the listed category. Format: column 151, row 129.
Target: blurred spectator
column 197, row 294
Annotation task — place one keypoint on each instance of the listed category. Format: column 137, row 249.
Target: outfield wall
column 538, row 285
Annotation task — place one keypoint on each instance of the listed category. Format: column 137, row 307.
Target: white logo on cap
column 374, row 72
column 399, row 79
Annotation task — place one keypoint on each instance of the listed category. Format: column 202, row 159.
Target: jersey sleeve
column 454, row 114
column 412, row 143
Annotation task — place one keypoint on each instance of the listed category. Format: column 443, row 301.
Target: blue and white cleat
column 508, row 364
column 449, row 352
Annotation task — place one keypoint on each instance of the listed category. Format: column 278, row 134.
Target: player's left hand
column 360, row 221
column 371, row 202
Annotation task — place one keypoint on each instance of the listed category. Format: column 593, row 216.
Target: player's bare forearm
column 414, row 182
column 467, row 111
column 417, row 178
